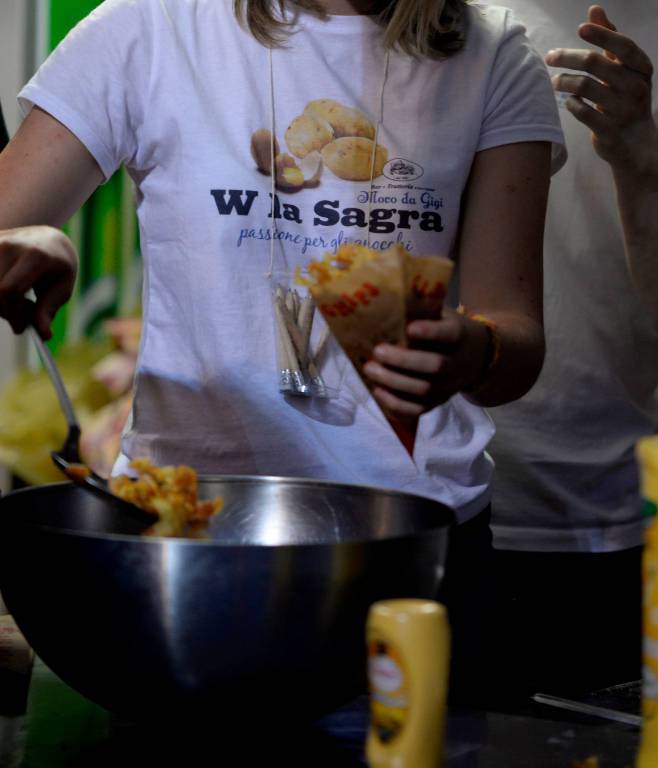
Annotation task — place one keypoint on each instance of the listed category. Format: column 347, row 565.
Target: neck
column 352, row 7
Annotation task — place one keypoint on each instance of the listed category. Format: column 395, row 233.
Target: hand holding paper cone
column 444, row 357
column 368, row 298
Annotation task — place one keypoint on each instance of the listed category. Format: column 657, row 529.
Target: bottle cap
column 408, row 609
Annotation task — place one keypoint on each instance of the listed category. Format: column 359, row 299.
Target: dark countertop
column 63, row 730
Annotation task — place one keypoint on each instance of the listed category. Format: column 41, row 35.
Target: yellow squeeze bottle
column 408, row 666
column 647, row 454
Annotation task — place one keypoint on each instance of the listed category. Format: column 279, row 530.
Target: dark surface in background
column 624, row 698
column 565, row 623
column 63, row 730
column 538, row 737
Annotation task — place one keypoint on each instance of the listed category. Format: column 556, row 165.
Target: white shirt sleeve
column 96, row 82
column 520, row 102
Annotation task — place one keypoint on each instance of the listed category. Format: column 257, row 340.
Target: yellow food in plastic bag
column 31, row 421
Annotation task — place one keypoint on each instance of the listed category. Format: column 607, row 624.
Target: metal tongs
column 68, row 459
column 588, row 709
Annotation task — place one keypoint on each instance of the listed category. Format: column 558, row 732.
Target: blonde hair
column 427, row 28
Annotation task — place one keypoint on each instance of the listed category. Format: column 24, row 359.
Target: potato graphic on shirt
column 288, row 175
column 350, row 158
column 344, row 121
column 308, row 133
column 263, row 146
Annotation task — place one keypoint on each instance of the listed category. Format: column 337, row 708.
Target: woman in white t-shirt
column 174, row 90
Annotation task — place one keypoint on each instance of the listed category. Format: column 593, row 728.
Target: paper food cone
column 365, row 306
column 373, row 298
column 426, row 285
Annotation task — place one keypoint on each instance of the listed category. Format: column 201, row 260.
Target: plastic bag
column 98, row 376
column 31, row 420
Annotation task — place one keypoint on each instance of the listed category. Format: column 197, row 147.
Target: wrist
column 639, row 164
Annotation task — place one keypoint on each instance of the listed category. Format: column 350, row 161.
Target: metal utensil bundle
column 298, row 370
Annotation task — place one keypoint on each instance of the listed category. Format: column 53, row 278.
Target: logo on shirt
column 399, row 169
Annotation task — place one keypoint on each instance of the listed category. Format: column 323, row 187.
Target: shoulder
column 122, row 24
column 113, row 11
column 111, row 23
column 497, row 42
column 155, row 12
column 177, row 10
column 490, row 26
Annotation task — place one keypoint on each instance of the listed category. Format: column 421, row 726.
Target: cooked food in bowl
column 172, row 494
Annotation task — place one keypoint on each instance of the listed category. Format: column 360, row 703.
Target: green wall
column 105, row 230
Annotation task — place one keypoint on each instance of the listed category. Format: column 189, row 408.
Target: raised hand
column 611, row 92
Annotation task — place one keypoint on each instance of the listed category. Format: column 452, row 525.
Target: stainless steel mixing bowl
column 269, row 618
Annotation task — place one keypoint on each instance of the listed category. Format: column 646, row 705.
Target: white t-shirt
column 174, row 90
column 566, row 476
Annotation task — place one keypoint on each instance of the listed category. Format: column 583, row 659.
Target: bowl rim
column 446, row 516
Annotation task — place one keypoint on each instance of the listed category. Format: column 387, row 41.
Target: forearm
column 637, row 196
column 501, row 266
column 518, row 345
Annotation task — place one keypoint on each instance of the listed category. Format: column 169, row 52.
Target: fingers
column 50, row 296
column 616, row 90
column 443, row 335
column 20, row 276
column 404, row 379
column 447, row 331
column 605, row 98
column 396, row 380
column 592, row 118
column 18, row 312
column 423, row 362
column 34, row 258
column 613, row 75
column 410, row 381
column 624, row 49
column 591, row 62
column 597, row 15
column 23, row 273
column 397, row 406
column 11, row 301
